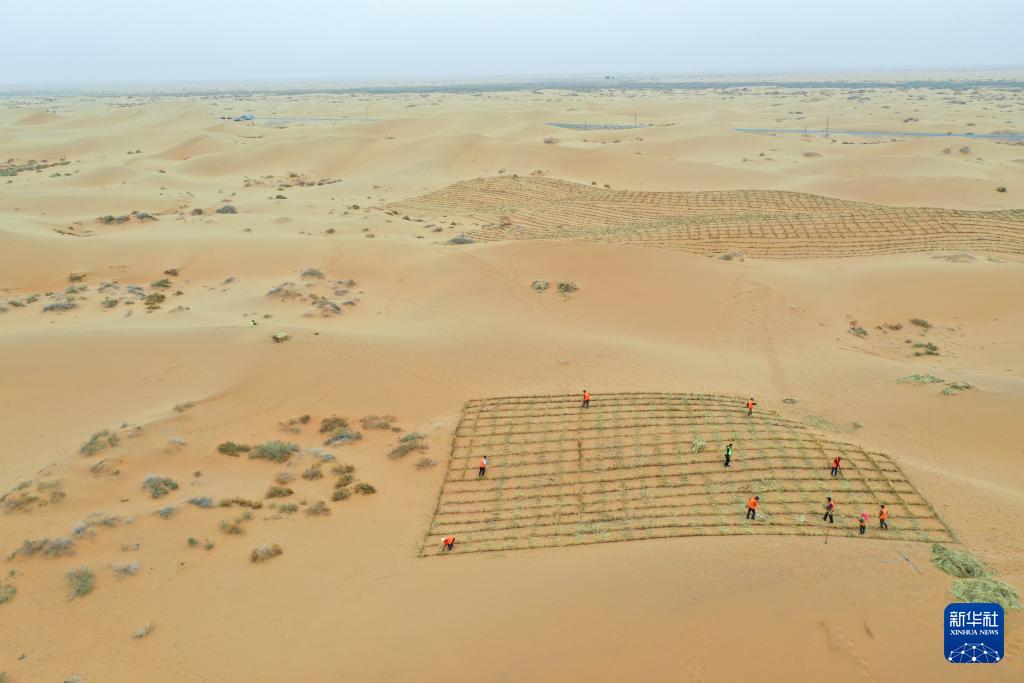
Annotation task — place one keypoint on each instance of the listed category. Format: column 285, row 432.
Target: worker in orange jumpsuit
column 863, row 519
column 750, row 407
column 883, row 516
column 483, row 466
column 752, row 507
column 449, row 542
column 837, row 465
column 586, row 398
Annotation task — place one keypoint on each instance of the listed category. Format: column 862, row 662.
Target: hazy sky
column 96, row 41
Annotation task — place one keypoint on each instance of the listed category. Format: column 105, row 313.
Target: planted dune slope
column 768, row 223
column 646, row 465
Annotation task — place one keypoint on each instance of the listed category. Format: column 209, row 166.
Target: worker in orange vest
column 830, row 508
column 837, row 464
column 863, row 519
column 750, row 407
column 483, row 466
column 586, row 398
column 449, row 542
column 883, row 516
column 752, row 507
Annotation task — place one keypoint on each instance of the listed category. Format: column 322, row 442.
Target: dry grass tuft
column 986, row 590
column 265, row 552
column 81, row 581
column 99, row 441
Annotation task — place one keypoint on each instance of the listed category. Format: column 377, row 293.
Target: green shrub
column 312, row 473
column 277, row 451
column 341, row 494
column 159, row 486
column 921, row 379
column 956, row 388
column 233, row 449
column 7, row 592
column 81, row 581
column 342, row 436
column 98, row 441
column 986, row 590
column 920, row 322
column 343, row 480
column 288, row 508
column 413, row 441
column 364, row 488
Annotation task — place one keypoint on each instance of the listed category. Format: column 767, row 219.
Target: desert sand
column 396, row 239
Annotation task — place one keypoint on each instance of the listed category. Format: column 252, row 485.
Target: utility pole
column 634, row 121
column 828, row 119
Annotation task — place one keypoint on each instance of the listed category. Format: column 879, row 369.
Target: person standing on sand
column 836, row 466
column 483, row 466
column 728, row 454
column 448, row 542
column 586, row 398
column 883, row 516
column 863, row 519
column 752, row 507
column 830, row 508
column 750, row 407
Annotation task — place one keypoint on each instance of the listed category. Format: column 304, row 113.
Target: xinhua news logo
column 974, row 633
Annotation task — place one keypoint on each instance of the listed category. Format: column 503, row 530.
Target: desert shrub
column 59, row 306
column 193, row 541
column 22, row 497
column 377, row 421
column 154, row 300
column 288, row 507
column 332, row 424
column 318, row 508
column 425, row 463
column 277, row 451
column 342, row 469
column 340, row 494
column 920, row 379
column 343, row 436
column 7, row 592
column 313, row 273
column 227, row 208
column 413, row 441
column 241, row 502
column 319, row 453
column 265, row 552
column 232, row 527
column 162, row 283
column 182, row 407
column 167, row 512
column 958, row 562
column 294, row 424
column 95, row 519
column 956, row 388
column 343, row 480
column 142, row 631
column 159, row 486
column 51, row 547
column 278, row 492
column 567, row 287
column 920, row 322
column 698, row 445
column 364, row 488
column 858, row 331
column 126, row 568
column 461, row 239
column 312, row 473
column 98, row 441
column 81, row 581
column 926, row 349
column 233, row 449
column 284, row 478
column 109, row 302
column 986, row 590
column 201, row 501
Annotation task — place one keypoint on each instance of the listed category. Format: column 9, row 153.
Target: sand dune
column 863, row 281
